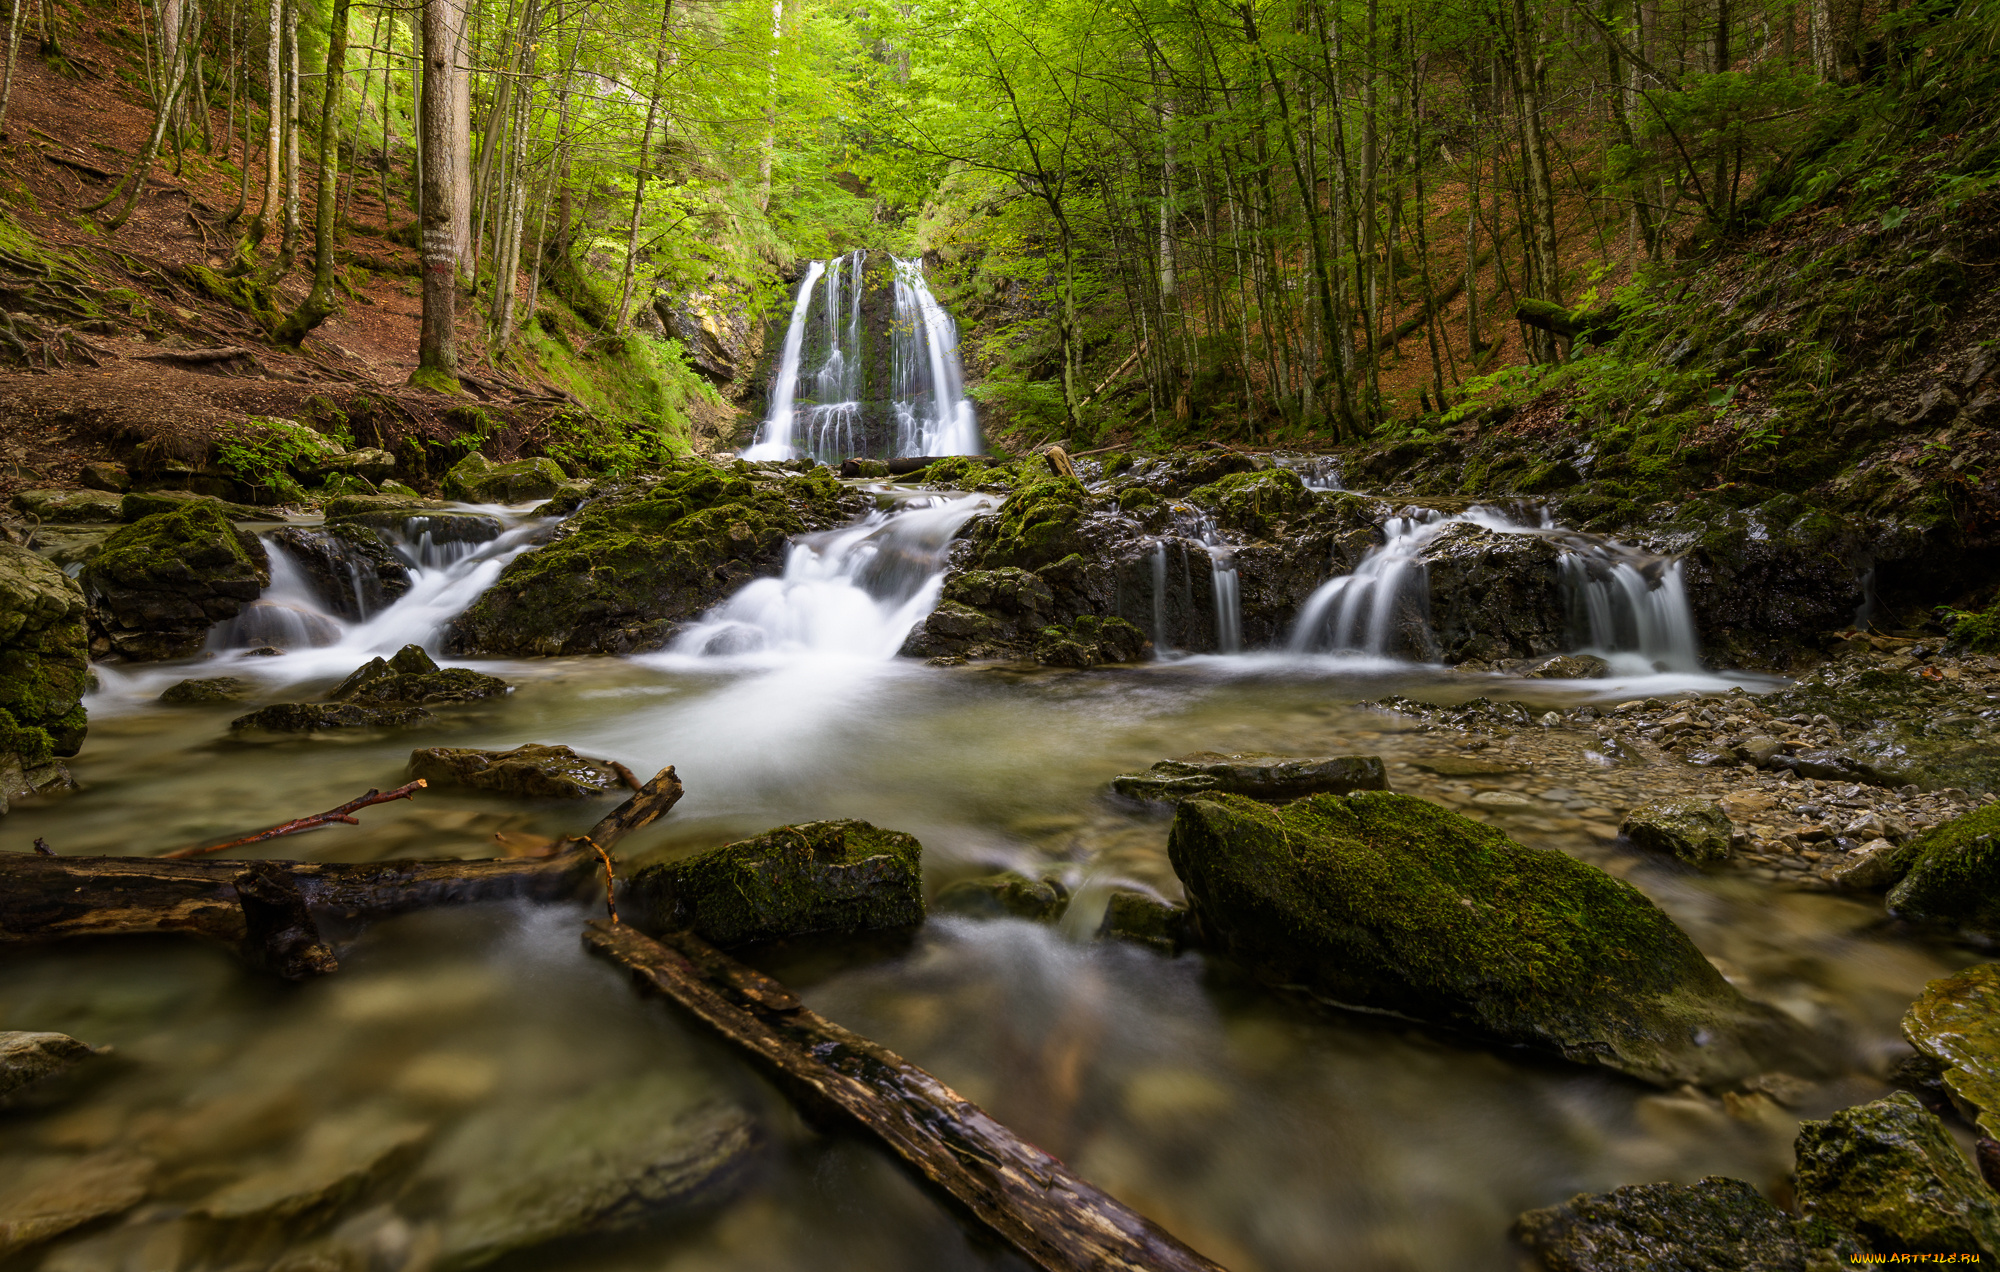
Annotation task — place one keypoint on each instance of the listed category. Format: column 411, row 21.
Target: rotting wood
column 1027, row 1198
column 299, row 825
column 246, row 905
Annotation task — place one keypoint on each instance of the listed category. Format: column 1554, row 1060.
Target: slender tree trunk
column 766, row 152
column 437, row 349
column 645, row 162
column 318, row 304
column 288, row 242
column 13, row 55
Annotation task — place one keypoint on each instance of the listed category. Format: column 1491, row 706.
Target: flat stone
column 340, row 1158
column 1463, row 766
column 1694, row 830
column 1889, row 1172
column 1714, row 1225
column 816, row 877
column 1870, row 867
column 531, row 771
column 1957, row 1024
column 146, row 503
column 322, row 717
column 1005, row 895
column 27, row 1058
column 1502, row 799
column 43, row 1197
column 71, row 507
column 1759, row 751
column 208, row 690
column 1258, row 774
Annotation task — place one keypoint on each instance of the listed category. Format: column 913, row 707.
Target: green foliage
column 31, row 745
column 265, row 451
column 1976, row 630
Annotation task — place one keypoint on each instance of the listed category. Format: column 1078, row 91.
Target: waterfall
column 855, row 591
column 774, row 435
column 933, row 415
column 1356, row 613
column 1633, row 609
column 1161, row 645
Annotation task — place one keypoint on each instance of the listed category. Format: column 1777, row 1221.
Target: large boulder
column 44, row 669
column 323, row 717
column 1951, row 874
column 1714, row 1225
column 1392, row 903
column 478, row 480
column 530, row 771
column 1695, row 830
column 1492, row 595
column 1258, row 774
column 159, row 584
column 818, row 877
column 1956, row 1024
column 351, row 571
column 1889, row 1172
column 621, row 1156
column 627, row 569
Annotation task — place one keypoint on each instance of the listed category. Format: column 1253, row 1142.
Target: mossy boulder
column 1040, row 523
column 1144, row 919
column 1089, row 641
column 1951, row 874
column 412, row 677
column 325, row 717
column 1889, row 1172
column 141, row 504
column 477, row 479
column 397, row 507
column 1695, row 830
column 629, row 567
column 1253, row 503
column 1392, row 903
column 530, row 771
column 1258, row 774
column 159, row 584
column 206, row 691
column 1712, row 1225
column 1005, row 895
column 44, row 664
column 817, row 877
column 70, row 507
column 1956, row 1023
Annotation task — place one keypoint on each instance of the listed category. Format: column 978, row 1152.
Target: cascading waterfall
column 1633, row 610
column 933, row 415
column 1357, row 613
column 855, row 591
column 1224, row 584
column 1161, row 645
column 774, row 435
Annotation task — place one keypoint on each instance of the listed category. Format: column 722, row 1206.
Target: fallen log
column 248, row 906
column 1027, row 1198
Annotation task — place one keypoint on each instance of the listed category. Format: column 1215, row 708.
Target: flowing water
column 933, row 415
column 1269, row 1135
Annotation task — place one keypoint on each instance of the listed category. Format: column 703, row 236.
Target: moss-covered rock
column 530, row 771
column 1143, row 919
column 830, row 876
column 1089, row 641
column 629, row 567
column 206, row 691
column 1040, row 523
column 1713, row 1225
column 477, row 479
column 1254, row 503
column 1005, row 895
column 1956, row 1023
column 1392, row 903
column 44, row 660
column 1951, row 874
column 412, row 677
column 1889, row 1172
column 1695, row 830
column 325, row 717
column 70, row 507
column 1258, row 774
column 141, row 504
column 159, row 584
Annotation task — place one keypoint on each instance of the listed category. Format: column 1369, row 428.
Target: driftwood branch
column 1027, row 1198
column 648, row 804
column 314, row 822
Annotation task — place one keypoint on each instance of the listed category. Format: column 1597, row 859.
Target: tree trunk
column 13, row 55
column 437, row 347
column 645, row 160
column 318, row 304
column 288, row 242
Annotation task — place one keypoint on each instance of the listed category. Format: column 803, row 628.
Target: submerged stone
column 1868, row 867
column 412, row 677
column 1713, row 1225
column 1392, row 903
column 1889, row 1172
column 321, row 717
column 1951, row 874
column 1956, row 1024
column 340, row 1158
column 27, row 1057
column 43, row 1197
column 1258, row 774
column 621, row 1156
column 817, row 877
column 1005, row 895
column 1694, row 830
column 532, row 771
column 159, row 584
column 1144, row 919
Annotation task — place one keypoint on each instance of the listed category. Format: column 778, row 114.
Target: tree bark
column 437, row 346
column 645, row 159
column 1022, row 1195
column 318, row 304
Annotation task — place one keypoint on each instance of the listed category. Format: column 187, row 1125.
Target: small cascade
column 1224, row 585
column 1631, row 610
column 856, row 591
column 933, row 415
column 1360, row 612
column 1318, row 472
column 1161, row 645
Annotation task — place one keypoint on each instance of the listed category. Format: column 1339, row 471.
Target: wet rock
column 1694, row 830
column 43, row 1197
column 1868, row 867
column 44, row 663
column 1572, row 667
column 1258, row 774
column 351, row 571
column 323, row 717
column 1889, row 1172
column 103, row 476
column 622, row 1156
column 366, row 462
column 340, row 1158
column 627, row 568
column 159, row 584
column 1825, row 766
column 478, row 480
column 26, row 1058
column 1899, row 727
column 1759, row 751
column 817, row 877
column 187, row 693
column 70, row 507
column 1040, row 523
column 1714, row 1225
column 1951, row 874
column 412, row 677
column 140, row 504
column 1492, row 596
column 1089, row 641
column 1005, row 895
column 1392, row 903
column 1144, row 919
column 531, row 771
column 1465, row 766
column 1956, row 1025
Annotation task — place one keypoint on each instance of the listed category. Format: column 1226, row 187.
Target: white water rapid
column 933, row 415
column 855, row 591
